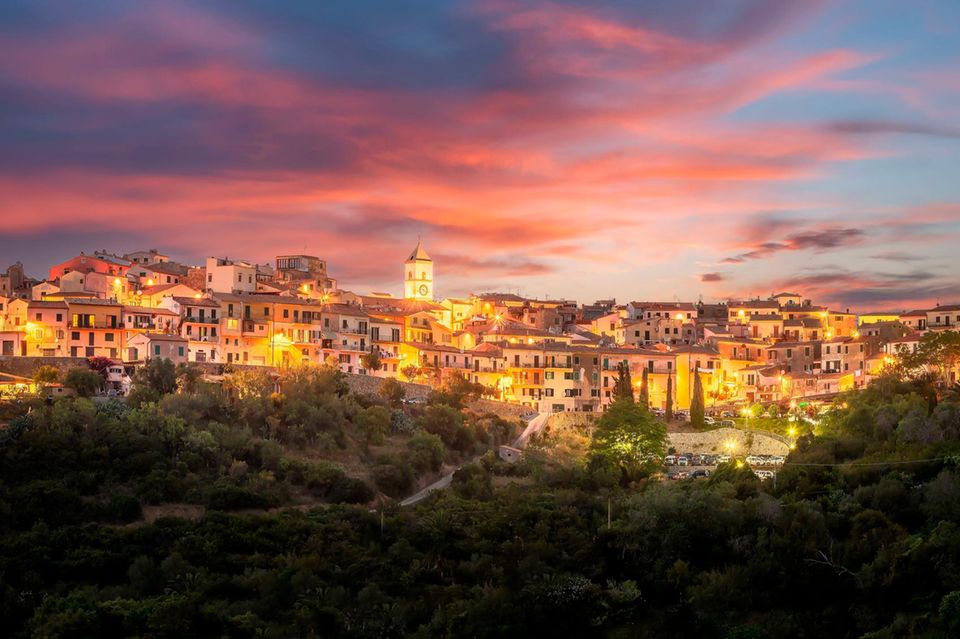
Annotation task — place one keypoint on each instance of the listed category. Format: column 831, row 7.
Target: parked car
column 670, row 460
column 696, row 460
column 723, row 459
column 683, row 460
column 727, row 413
column 709, row 420
column 728, row 423
column 755, row 460
column 700, row 473
column 764, row 474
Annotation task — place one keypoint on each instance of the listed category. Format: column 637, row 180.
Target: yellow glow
column 792, row 431
column 149, row 282
column 741, row 313
column 305, row 288
column 116, row 281
column 856, row 334
column 824, row 315
column 638, row 383
column 792, row 446
column 739, row 463
column 730, row 445
column 197, row 296
column 679, row 316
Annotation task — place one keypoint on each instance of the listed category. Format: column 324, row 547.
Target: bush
column 83, row 381
column 472, row 482
column 393, row 476
column 392, row 391
column 226, row 497
column 373, row 424
column 447, row 423
column 124, row 509
column 425, row 452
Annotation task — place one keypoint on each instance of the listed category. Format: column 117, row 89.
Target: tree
column 373, row 424
column 160, row 375
column 645, row 388
column 371, row 361
column 625, row 435
column 447, row 423
column 425, row 452
column 46, row 374
column 100, row 364
column 411, row 372
column 188, row 375
column 392, row 391
column 938, row 351
column 83, row 381
column 669, row 409
column 696, row 402
column 623, row 389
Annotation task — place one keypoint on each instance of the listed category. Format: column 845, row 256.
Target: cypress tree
column 669, row 411
column 623, row 389
column 696, row 402
column 645, row 389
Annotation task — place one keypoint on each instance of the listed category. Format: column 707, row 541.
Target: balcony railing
column 201, row 320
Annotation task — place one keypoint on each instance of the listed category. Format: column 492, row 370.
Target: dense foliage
column 859, row 537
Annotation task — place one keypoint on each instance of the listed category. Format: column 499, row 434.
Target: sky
column 665, row 149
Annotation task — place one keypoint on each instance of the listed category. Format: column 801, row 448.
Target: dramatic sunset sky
column 636, row 149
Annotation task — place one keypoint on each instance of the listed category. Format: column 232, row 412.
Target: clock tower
column 418, row 275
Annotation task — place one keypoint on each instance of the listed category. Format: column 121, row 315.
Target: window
column 59, row 316
column 180, row 351
column 156, row 350
column 108, row 337
column 39, row 317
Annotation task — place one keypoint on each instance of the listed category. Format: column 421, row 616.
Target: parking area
column 693, row 466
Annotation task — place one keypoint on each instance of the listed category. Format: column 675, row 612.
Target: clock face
column 423, row 289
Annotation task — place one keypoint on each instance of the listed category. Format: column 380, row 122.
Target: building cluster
column 550, row 355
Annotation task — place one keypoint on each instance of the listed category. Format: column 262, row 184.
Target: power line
column 886, row 463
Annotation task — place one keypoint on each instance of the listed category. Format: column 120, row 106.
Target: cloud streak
column 533, row 142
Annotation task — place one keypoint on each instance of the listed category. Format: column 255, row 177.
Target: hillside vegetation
column 859, row 537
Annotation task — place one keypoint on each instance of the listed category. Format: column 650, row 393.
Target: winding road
column 534, row 426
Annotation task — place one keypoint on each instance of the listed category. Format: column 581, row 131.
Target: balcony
column 201, row 320
column 255, row 326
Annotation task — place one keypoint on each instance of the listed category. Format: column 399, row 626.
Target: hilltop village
column 548, row 355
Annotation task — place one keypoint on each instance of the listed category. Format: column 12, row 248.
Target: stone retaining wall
column 714, row 442
column 25, row 366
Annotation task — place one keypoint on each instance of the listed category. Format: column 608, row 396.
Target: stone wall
column 370, row 385
column 714, row 442
column 568, row 420
column 25, row 366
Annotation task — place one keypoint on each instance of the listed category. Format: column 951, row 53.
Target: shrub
column 392, row 391
column 393, row 476
column 83, row 381
column 425, row 452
